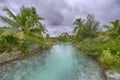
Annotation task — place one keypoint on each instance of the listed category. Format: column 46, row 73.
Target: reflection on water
column 62, row 62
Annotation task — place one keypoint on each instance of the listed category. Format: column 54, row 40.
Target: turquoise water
column 62, row 62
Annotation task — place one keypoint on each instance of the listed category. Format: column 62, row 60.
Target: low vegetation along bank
column 25, row 35
column 91, row 40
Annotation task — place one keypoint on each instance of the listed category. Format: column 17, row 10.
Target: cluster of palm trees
column 23, row 28
column 86, row 28
column 114, row 30
column 103, row 45
column 65, row 37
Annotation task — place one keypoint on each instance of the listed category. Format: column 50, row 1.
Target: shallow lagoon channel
column 62, row 62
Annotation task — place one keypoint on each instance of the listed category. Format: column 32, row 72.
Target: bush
column 7, row 42
column 89, row 46
column 45, row 46
column 110, row 61
column 24, row 47
column 113, row 46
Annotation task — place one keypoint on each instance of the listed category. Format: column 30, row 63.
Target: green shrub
column 24, row 47
column 16, row 52
column 5, row 54
column 89, row 46
column 7, row 42
column 110, row 61
column 113, row 46
column 45, row 46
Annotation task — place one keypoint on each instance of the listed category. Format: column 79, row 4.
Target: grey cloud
column 62, row 13
column 50, row 10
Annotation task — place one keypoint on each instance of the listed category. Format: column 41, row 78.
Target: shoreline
column 106, row 73
column 37, row 51
column 101, row 66
column 11, row 58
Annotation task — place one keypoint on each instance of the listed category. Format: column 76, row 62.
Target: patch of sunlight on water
column 62, row 62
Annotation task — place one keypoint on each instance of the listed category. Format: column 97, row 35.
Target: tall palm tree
column 25, row 23
column 78, row 25
column 114, row 30
column 86, row 28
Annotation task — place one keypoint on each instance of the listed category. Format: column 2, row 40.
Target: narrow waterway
column 62, row 62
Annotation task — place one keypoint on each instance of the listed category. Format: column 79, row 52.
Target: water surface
column 62, row 62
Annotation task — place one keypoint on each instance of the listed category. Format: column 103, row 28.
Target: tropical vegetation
column 25, row 31
column 101, row 45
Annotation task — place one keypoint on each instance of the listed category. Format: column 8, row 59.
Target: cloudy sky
column 60, row 14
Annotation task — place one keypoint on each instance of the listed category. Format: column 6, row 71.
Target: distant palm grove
column 25, row 32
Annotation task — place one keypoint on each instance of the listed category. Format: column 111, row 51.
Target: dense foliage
column 65, row 37
column 102, row 45
column 24, row 30
column 86, row 28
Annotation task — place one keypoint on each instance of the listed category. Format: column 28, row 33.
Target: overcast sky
column 60, row 14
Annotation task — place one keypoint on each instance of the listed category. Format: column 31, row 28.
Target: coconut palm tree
column 24, row 27
column 114, row 30
column 7, row 40
column 78, row 25
column 86, row 28
column 25, row 23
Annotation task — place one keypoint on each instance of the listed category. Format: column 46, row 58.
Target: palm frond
column 75, row 30
column 9, row 12
column 107, row 27
column 33, row 38
column 38, row 30
column 9, row 21
column 8, row 31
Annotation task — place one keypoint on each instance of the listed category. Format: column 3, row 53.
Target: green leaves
column 9, row 21
column 78, row 25
column 10, row 13
column 86, row 28
column 7, row 42
column 114, row 30
column 65, row 37
column 24, row 27
column 24, row 21
column 24, row 47
column 113, row 46
column 27, row 22
column 110, row 61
